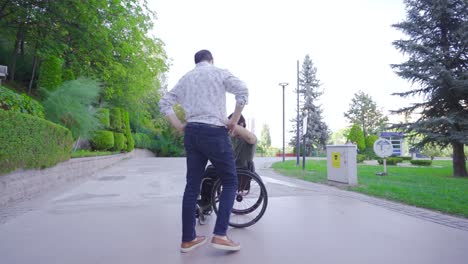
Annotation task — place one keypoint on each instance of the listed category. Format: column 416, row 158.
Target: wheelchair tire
column 250, row 202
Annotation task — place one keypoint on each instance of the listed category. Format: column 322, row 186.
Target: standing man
column 202, row 94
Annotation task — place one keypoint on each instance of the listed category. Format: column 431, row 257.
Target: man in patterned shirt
column 202, row 94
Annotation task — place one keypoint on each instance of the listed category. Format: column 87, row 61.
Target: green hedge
column 406, row 157
column 128, row 134
column 102, row 140
column 50, row 73
column 391, row 160
column 421, row 162
column 119, row 141
column 104, row 117
column 20, row 103
column 116, row 119
column 31, row 142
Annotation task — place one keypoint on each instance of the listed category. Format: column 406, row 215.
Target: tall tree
column 265, row 138
column 316, row 131
column 437, row 50
column 364, row 112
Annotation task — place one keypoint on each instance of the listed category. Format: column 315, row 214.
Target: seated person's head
column 241, row 120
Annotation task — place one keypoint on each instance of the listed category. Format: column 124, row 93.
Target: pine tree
column 265, row 138
column 437, row 50
column 316, row 131
column 363, row 111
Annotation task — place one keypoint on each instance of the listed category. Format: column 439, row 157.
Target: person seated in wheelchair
column 244, row 144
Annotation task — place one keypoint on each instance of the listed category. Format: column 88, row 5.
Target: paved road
column 130, row 213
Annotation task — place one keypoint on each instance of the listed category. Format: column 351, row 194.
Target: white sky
column 260, row 42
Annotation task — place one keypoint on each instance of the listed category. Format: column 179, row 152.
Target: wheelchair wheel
column 250, row 202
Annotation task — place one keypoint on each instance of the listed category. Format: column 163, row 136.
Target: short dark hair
column 241, row 120
column 203, row 55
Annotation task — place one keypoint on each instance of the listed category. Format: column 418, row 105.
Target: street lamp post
column 298, row 147
column 283, row 85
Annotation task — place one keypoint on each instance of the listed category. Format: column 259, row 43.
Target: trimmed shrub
column 20, row 103
column 31, row 142
column 391, row 160
column 119, row 141
column 116, row 119
column 406, row 157
column 50, row 73
column 356, row 136
column 104, row 117
column 128, row 134
column 361, row 158
column 421, row 162
column 102, row 140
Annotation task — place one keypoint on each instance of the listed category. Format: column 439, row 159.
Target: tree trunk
column 33, row 74
column 459, row 162
column 16, row 49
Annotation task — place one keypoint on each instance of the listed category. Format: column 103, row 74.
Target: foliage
column 437, row 62
column 356, row 136
column 14, row 102
column 391, row 160
column 103, row 116
column 116, row 119
column 68, row 75
column 339, row 137
column 31, row 142
column 128, row 134
column 361, row 157
column 316, row 131
column 71, row 106
column 143, row 141
column 364, row 112
column 265, row 139
column 370, row 140
column 421, row 162
column 119, row 141
column 50, row 75
column 102, row 140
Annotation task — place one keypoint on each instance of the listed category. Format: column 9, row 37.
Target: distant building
column 398, row 142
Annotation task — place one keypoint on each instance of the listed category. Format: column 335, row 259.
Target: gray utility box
column 342, row 163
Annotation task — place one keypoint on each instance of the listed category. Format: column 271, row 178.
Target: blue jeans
column 205, row 142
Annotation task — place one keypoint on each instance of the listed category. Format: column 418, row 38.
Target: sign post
column 383, row 148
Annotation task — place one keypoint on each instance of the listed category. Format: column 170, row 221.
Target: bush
column 102, row 140
column 128, row 134
column 119, row 141
column 19, row 103
column 361, row 158
column 71, row 106
column 104, row 117
column 143, row 141
column 31, row 142
column 68, row 75
column 391, row 160
column 421, row 162
column 406, row 157
column 50, row 73
column 356, row 136
column 370, row 140
column 116, row 119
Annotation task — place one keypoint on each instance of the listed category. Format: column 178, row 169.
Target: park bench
column 3, row 73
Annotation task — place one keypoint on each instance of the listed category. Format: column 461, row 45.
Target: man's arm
column 237, row 87
column 245, row 134
column 166, row 106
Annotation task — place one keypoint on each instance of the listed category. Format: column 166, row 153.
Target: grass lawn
column 87, row 153
column 429, row 187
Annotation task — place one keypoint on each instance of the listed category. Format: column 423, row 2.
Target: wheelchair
column 250, row 202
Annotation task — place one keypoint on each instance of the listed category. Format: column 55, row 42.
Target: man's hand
column 175, row 122
column 231, row 125
column 181, row 128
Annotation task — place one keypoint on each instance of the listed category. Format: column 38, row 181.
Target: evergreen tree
column 316, row 131
column 265, row 138
column 437, row 50
column 363, row 111
column 356, row 136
